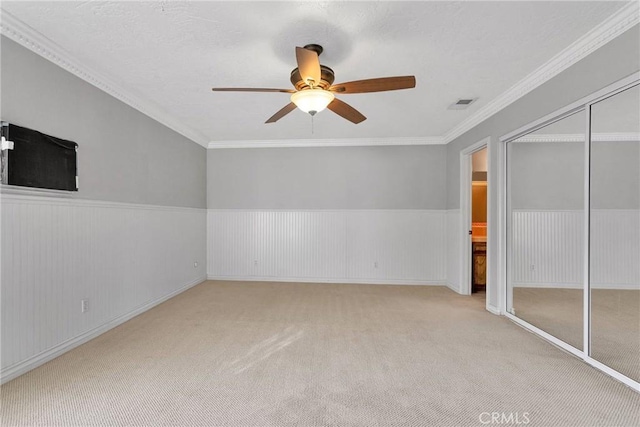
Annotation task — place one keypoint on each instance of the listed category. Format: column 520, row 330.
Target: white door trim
column 497, row 222
column 465, row 213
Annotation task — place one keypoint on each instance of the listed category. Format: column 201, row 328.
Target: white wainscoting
column 454, row 263
column 122, row 258
column 548, row 248
column 350, row 246
column 615, row 248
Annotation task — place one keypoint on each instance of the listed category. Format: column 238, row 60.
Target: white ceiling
column 170, row 54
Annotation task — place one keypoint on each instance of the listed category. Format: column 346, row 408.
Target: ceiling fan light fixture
column 312, row 101
column 315, row 91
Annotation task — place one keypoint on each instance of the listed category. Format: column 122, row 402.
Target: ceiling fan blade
column 345, row 110
column 375, row 85
column 283, row 112
column 308, row 65
column 250, row 89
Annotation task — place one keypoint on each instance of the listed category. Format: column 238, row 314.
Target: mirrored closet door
column 545, row 188
column 614, row 243
column 572, row 230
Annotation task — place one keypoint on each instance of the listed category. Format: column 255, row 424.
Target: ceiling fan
column 315, row 91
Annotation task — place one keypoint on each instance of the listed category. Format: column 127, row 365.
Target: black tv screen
column 40, row 161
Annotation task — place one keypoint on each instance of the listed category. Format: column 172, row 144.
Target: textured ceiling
column 172, row 53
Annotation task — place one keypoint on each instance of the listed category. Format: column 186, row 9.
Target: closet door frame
column 582, row 106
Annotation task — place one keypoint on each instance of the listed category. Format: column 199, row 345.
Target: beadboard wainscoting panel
column 353, row 246
column 615, row 248
column 120, row 258
column 276, row 244
column 454, row 262
column 396, row 245
column 548, row 248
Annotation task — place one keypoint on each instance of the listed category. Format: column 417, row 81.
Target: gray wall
column 546, row 175
column 392, row 177
column 614, row 61
column 123, row 155
column 617, row 59
column 615, row 175
column 550, row 175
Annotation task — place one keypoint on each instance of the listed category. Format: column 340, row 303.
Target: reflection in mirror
column 615, row 232
column 546, row 202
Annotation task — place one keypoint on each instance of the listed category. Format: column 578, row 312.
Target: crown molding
column 21, row 33
column 333, row 142
column 579, row 137
column 609, row 29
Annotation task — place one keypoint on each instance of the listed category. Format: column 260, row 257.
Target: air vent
column 461, row 104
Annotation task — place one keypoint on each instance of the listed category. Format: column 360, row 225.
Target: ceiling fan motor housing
column 326, row 79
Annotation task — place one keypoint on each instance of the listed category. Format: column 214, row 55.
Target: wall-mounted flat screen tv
column 39, row 160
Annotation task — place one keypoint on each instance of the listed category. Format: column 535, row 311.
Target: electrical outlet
column 532, row 267
column 255, row 262
column 84, row 305
column 375, row 264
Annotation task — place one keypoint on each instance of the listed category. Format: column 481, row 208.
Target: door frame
column 582, row 106
column 465, row 214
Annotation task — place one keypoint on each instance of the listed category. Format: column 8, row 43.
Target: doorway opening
column 474, row 210
column 479, row 221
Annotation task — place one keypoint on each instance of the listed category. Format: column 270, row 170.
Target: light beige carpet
column 556, row 311
column 615, row 322
column 284, row 354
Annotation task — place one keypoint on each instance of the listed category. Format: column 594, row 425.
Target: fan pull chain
column 312, row 125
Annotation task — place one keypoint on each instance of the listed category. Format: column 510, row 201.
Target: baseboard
column 454, row 287
column 493, row 310
column 23, row 367
column 371, row 281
